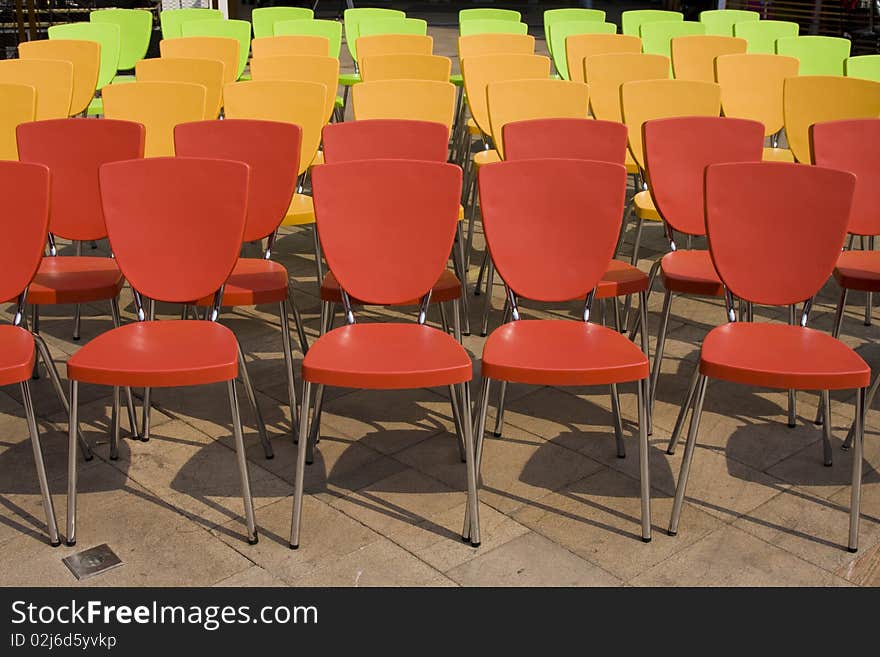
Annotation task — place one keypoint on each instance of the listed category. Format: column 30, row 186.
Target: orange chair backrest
column 19, row 106
column 693, row 57
column 580, row 47
column 302, row 68
column 421, row 100
column 84, row 56
column 577, row 139
column 290, row 44
column 394, row 44
column 475, row 45
column 605, row 73
column 385, row 139
column 405, row 67
column 222, row 49
column 206, row 72
column 751, row 87
column 51, row 78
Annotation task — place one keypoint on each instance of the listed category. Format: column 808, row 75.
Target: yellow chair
column 751, row 88
column 420, row 100
column 813, row 99
column 394, row 44
column 291, row 44
column 84, row 56
column 301, row 68
column 51, row 78
column 206, row 72
column 579, row 47
column 405, row 67
column 222, row 49
column 19, row 106
column 158, row 106
column 693, row 57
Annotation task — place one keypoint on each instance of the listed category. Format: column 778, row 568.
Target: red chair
column 410, row 231
column 580, row 205
column 24, row 189
column 177, row 246
column 752, row 209
column 271, row 150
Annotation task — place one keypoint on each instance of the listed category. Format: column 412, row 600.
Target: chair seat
column 349, row 79
column 645, row 208
column 447, row 288
column 75, row 279
column 561, row 353
column 300, row 212
column 486, row 157
column 386, row 357
column 778, row 155
column 158, row 354
column 16, row 354
column 781, row 356
column 621, row 278
column 858, row 270
column 457, row 79
column 253, row 281
column 691, row 272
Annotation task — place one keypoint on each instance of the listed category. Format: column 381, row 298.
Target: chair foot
column 483, row 334
column 55, row 543
column 852, row 550
column 292, row 546
column 621, row 456
column 670, row 451
column 475, row 545
column 497, row 434
column 254, row 540
column 648, row 540
column 70, row 543
column 88, row 457
column 791, row 426
column 671, row 533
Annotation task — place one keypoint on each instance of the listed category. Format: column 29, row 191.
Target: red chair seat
column 75, row 279
column 621, row 278
column 781, row 356
column 158, row 354
column 16, row 355
column 859, row 270
column 253, row 281
column 561, row 352
column 691, row 272
column 447, row 288
column 386, row 357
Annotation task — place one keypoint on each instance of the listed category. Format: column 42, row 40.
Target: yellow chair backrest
column 206, row 72
column 523, row 100
column 51, row 78
column 579, row 47
column 751, row 87
column 223, row 49
column 158, row 106
column 693, row 57
column 394, row 44
column 479, row 71
column 644, row 100
column 420, row 100
column 290, row 101
column 84, row 56
column 475, row 45
column 291, row 44
column 19, row 106
column 607, row 72
column 405, row 67
column 302, row 68
column 813, row 99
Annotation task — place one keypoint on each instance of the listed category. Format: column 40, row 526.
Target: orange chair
column 301, row 68
column 51, row 78
column 221, row 49
column 84, row 56
column 394, row 44
column 290, row 44
column 418, row 100
column 206, row 72
column 693, row 57
column 405, row 67
column 19, row 106
column 580, row 47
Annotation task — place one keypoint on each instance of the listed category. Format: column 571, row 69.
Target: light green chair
column 352, row 18
column 866, row 67
column 331, row 30
column 761, row 35
column 559, row 32
column 135, row 28
column 492, row 26
column 376, row 27
column 229, row 29
column 554, row 17
column 818, row 55
column 107, row 36
column 720, row 22
column 631, row 21
column 171, row 20
column 264, row 18
column 657, row 37
column 486, row 13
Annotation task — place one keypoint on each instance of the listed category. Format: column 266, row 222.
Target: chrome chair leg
column 319, row 265
column 499, row 418
column 856, row 494
column 458, row 419
column 288, row 366
column 683, row 411
column 241, row 456
column 444, row 321
column 129, row 398
column 114, row 426
column 252, row 398
column 472, row 516
column 826, row 428
column 472, row 217
column 48, row 508
column 643, row 315
column 637, row 323
column 792, row 394
column 618, row 423
column 315, row 430
column 145, row 430
column 456, row 319
column 298, row 322
column 872, row 392
column 869, row 301
column 35, row 329
column 644, row 460
column 463, row 278
column 661, row 344
column 299, row 483
column 73, row 430
column 480, row 424
column 487, row 303
column 688, row 456
column 835, row 332
column 484, row 262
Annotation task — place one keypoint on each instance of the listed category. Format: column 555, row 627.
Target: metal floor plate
column 93, row 561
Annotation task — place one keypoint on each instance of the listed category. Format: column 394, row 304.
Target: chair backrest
column 264, row 18
column 369, row 236
column 578, row 203
column 644, row 100
column 84, row 56
column 420, row 100
column 331, row 30
column 290, row 44
column 19, row 106
column 219, row 49
column 693, row 57
column 106, row 35
column 851, row 145
column 135, row 29
column 818, row 55
column 761, row 35
column 385, row 139
column 657, row 37
column 577, row 139
column 51, row 78
column 395, row 44
column 563, row 32
column 303, row 68
column 814, row 99
column 492, row 26
column 479, row 71
column 751, row 87
column 206, row 72
column 74, row 150
column 289, row 101
column 631, row 21
column 158, row 106
column 171, row 20
column 269, row 148
column 677, row 152
column 866, row 67
column 24, row 189
column 353, row 17
column 720, row 22
column 379, row 26
column 495, row 44
column 180, row 245
column 405, row 67
column 554, row 18
column 479, row 13
column 607, row 72
column 581, row 47
column 753, row 208
column 227, row 29
column 520, row 100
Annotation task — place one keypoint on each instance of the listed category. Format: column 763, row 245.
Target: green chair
column 492, row 14
column 171, row 20
column 230, row 29
column 135, row 28
column 657, row 37
column 631, row 21
column 720, row 22
column 375, row 27
column 761, row 35
column 264, row 18
column 560, row 31
column 331, row 30
column 866, row 67
column 107, row 36
column 492, row 26
column 570, row 15
column 818, row 55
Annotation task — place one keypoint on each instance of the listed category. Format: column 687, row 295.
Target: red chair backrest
column 852, row 145
column 391, row 139
column 270, row 148
column 677, row 152
column 24, row 223
column 578, row 139
column 74, row 151
column 387, row 247
column 776, row 229
column 175, row 224
column 575, row 205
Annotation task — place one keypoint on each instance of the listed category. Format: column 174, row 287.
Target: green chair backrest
column 264, row 18
column 818, row 55
column 761, row 35
column 373, row 27
column 107, row 36
column 332, row 30
column 135, row 28
column 553, row 17
column 230, row 29
column 631, row 21
column 657, row 37
column 559, row 32
column 485, row 12
column 353, row 17
column 720, row 22
column 492, row 26
column 170, row 20
column 866, row 67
